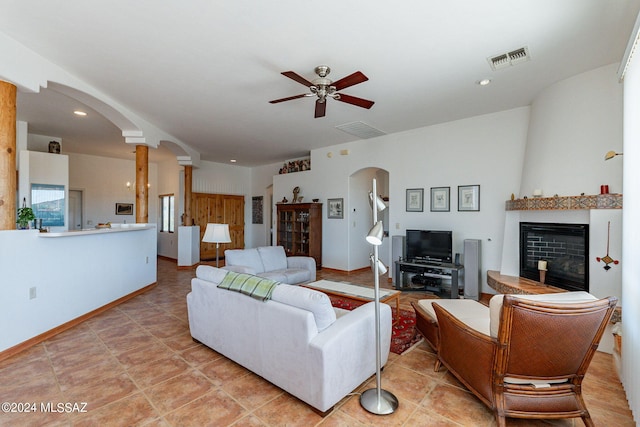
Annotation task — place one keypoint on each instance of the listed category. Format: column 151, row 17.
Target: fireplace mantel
column 600, row 201
column 518, row 285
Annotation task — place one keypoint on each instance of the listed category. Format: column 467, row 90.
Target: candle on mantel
column 542, row 267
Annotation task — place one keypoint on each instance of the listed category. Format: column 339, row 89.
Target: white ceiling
column 204, row 70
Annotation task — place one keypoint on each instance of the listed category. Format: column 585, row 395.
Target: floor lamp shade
column 381, row 268
column 217, row 233
column 380, row 206
column 375, row 234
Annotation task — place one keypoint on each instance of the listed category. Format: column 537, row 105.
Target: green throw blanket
column 254, row 286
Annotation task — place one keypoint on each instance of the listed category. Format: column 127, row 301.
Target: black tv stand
column 425, row 261
column 430, row 276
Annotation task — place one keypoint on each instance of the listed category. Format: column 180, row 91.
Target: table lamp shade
column 216, row 233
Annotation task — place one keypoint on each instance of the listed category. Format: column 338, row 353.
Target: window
column 167, row 209
column 47, row 202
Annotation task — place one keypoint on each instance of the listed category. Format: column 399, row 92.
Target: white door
column 75, row 209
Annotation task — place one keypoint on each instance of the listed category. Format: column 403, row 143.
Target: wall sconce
column 611, row 155
column 129, row 185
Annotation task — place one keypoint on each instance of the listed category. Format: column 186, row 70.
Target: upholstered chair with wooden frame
column 535, row 365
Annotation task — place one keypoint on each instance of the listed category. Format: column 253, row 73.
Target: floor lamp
column 217, row 233
column 376, row 400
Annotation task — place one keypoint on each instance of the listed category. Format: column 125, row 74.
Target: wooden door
column 221, row 209
column 233, row 214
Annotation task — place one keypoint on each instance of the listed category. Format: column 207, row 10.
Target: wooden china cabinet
column 299, row 229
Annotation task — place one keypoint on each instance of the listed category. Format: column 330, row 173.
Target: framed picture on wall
column 335, row 208
column 415, row 199
column 124, row 208
column 469, row 198
column 256, row 210
column 440, row 197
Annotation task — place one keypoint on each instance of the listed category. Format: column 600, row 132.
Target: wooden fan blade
column 289, row 98
column 350, row 80
column 321, row 108
column 297, row 77
column 359, row 102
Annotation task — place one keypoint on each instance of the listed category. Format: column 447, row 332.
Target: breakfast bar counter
column 115, row 228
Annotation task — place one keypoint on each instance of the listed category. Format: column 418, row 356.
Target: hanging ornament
column 607, row 259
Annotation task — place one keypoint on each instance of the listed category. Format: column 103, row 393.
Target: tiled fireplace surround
column 563, row 246
column 603, row 213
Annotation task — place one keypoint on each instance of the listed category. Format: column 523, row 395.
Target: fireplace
column 565, row 248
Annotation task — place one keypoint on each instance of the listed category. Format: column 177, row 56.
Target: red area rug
column 403, row 334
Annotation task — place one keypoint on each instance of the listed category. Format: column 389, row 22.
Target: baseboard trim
column 187, row 267
column 358, row 270
column 11, row 351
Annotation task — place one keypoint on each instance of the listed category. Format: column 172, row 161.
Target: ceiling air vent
column 360, row 129
column 510, row 58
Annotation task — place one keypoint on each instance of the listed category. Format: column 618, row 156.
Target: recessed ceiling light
column 79, row 113
column 233, row 160
column 484, row 82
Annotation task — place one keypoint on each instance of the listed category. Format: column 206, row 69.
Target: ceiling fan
column 324, row 88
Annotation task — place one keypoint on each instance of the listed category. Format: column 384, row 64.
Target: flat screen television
column 429, row 245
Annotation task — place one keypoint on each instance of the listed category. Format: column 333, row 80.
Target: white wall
column 573, row 124
column 102, row 181
column 71, row 275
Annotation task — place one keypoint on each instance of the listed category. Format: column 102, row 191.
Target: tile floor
column 136, row 365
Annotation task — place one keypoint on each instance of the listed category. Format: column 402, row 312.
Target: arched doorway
column 360, row 216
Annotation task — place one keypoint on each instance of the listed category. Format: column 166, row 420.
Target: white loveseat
column 271, row 262
column 296, row 340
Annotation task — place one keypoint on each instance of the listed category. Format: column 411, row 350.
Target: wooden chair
column 535, row 366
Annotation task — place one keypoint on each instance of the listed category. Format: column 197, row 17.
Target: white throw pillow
column 273, row 258
column 307, row 299
column 245, row 257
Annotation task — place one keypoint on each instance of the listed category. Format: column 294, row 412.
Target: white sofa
column 271, row 262
column 296, row 340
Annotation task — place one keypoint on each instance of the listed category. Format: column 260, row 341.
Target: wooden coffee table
column 356, row 293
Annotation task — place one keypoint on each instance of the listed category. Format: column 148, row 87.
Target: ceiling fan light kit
column 322, row 87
